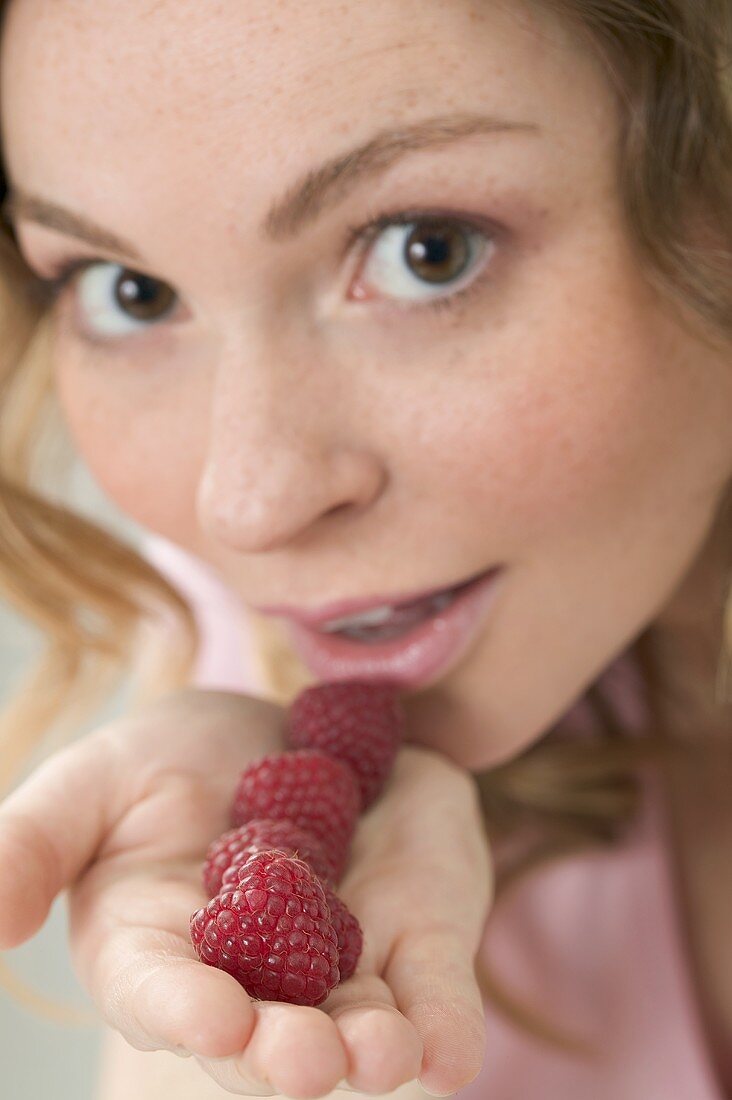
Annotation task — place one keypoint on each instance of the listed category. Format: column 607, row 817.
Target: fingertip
column 298, row 1050
column 25, row 897
column 454, row 1046
column 197, row 1008
column 225, row 1030
column 430, row 1092
column 13, row 931
column 384, row 1049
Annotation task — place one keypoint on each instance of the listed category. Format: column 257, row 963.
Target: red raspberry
column 349, row 933
column 274, row 934
column 308, row 788
column 235, row 847
column 357, row 721
column 347, row 929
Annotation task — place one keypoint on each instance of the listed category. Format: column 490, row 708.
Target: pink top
column 593, row 942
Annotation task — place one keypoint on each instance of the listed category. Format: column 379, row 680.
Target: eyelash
column 365, row 233
column 49, row 289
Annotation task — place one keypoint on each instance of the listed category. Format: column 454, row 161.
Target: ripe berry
column 235, row 847
column 356, row 721
column 349, row 933
column 274, row 934
column 309, row 788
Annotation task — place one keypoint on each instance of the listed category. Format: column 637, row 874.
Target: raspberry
column 309, row 788
column 347, row 929
column 235, row 847
column 359, row 722
column 349, row 933
column 274, row 934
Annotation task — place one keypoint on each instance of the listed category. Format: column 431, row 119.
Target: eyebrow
column 316, row 191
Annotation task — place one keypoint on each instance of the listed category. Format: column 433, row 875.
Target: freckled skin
column 564, row 421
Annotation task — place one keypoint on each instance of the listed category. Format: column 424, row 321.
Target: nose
column 279, row 456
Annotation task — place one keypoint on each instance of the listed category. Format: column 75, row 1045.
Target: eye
column 422, row 259
column 116, row 301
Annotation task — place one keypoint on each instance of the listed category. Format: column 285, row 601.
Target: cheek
column 590, row 450
column 569, row 426
column 140, row 445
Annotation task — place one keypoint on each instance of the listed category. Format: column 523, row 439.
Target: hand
column 123, row 817
column 420, row 883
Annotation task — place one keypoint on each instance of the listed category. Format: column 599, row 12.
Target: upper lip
column 340, row 609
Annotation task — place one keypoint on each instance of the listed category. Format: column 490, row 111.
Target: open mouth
column 381, row 624
column 411, row 644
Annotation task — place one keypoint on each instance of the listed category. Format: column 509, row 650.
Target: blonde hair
column 100, row 605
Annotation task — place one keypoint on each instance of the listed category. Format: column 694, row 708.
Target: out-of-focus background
column 40, row 1059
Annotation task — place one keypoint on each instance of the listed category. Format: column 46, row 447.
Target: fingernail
column 180, row 1052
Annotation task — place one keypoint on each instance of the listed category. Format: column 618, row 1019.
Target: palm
column 418, row 880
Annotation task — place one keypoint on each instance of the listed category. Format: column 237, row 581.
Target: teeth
column 380, row 616
column 376, row 617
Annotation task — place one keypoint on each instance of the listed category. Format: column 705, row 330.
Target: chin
column 436, row 720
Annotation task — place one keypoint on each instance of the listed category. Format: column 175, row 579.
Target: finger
column 445, row 1005
column 149, row 985
column 131, row 949
column 293, row 1051
column 50, row 828
column 384, row 1049
column 231, row 1076
column 427, row 919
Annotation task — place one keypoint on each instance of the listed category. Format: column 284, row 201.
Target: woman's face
column 321, row 414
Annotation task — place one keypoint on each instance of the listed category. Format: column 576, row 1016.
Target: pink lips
column 339, row 609
column 422, row 654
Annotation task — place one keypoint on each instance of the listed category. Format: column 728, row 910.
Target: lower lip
column 426, row 652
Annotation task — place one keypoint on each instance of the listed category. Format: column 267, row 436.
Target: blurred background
column 42, row 1059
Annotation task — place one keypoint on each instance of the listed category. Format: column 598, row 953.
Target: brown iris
column 143, row 298
column 437, row 252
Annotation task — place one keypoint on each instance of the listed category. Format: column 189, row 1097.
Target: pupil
column 437, row 253
column 144, row 298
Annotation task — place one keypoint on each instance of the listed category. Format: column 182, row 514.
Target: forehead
column 240, row 91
